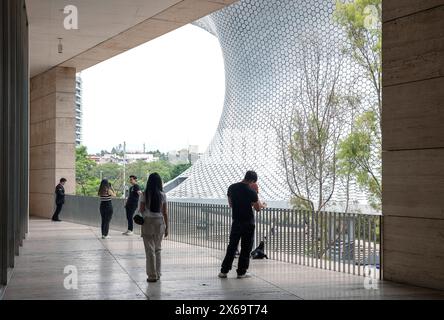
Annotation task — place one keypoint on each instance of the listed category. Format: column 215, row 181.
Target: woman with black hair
column 106, row 207
column 153, row 206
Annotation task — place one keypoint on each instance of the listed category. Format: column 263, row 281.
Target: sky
column 167, row 93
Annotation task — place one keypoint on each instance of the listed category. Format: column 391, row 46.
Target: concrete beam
column 174, row 17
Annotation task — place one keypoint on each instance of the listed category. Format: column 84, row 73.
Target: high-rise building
column 193, row 153
column 78, row 105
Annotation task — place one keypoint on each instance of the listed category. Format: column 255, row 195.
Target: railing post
column 374, row 246
column 330, row 240
column 354, row 243
column 381, row 257
column 280, row 234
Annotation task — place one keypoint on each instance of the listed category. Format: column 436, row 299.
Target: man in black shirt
column 59, row 200
column 132, row 203
column 242, row 198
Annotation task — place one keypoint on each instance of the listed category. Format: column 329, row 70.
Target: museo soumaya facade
column 42, row 49
column 264, row 45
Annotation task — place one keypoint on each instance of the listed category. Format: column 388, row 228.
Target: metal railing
column 343, row 242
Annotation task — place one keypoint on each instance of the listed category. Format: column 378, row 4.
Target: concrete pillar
column 413, row 142
column 52, row 137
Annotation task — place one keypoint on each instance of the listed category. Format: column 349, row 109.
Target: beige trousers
column 153, row 246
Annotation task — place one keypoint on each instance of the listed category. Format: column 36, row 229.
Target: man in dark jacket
column 60, row 199
column 131, row 204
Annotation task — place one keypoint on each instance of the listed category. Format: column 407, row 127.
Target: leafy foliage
column 84, row 169
column 361, row 20
column 88, row 173
column 360, row 152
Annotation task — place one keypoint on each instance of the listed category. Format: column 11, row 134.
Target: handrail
column 344, row 242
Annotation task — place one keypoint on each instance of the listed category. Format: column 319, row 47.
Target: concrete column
column 52, row 137
column 413, row 142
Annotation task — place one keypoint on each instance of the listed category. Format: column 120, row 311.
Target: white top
column 148, row 213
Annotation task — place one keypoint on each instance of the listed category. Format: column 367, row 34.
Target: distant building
column 183, row 156
column 172, row 156
column 94, row 158
column 190, row 155
column 194, row 154
column 110, row 158
column 78, row 107
column 129, row 158
column 146, row 157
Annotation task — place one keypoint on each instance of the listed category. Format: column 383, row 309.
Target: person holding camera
column 106, row 193
column 242, row 199
column 131, row 204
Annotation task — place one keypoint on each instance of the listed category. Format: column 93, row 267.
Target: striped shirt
column 106, row 197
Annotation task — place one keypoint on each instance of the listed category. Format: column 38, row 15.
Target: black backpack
column 259, row 252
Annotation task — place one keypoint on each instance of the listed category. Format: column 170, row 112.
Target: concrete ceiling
column 106, row 28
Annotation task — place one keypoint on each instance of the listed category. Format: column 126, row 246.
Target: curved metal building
column 262, row 42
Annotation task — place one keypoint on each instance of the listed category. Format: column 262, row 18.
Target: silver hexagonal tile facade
column 261, row 42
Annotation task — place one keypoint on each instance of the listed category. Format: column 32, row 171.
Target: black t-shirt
column 242, row 198
column 133, row 196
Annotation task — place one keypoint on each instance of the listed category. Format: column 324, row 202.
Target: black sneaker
column 57, row 220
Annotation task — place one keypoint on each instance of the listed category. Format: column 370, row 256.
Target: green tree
column 360, row 152
column 90, row 188
column 84, row 169
column 357, row 156
column 163, row 168
column 361, row 20
column 110, row 171
column 178, row 169
column 166, row 170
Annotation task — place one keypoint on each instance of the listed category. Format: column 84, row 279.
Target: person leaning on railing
column 242, row 199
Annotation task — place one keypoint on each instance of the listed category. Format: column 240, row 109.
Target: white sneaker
column 243, row 276
column 106, row 237
column 128, row 233
column 222, row 275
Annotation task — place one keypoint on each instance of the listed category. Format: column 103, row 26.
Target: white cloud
column 167, row 93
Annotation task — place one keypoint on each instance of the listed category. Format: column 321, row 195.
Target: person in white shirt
column 153, row 207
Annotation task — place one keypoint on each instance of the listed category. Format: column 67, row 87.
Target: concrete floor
column 115, row 269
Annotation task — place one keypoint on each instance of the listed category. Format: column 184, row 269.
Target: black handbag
column 138, row 219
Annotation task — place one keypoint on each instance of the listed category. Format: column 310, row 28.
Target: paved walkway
column 115, row 269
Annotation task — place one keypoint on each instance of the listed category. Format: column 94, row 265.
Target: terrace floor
column 115, row 269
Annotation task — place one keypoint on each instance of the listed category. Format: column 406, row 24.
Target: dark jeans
column 130, row 209
column 106, row 211
column 55, row 216
column 243, row 231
